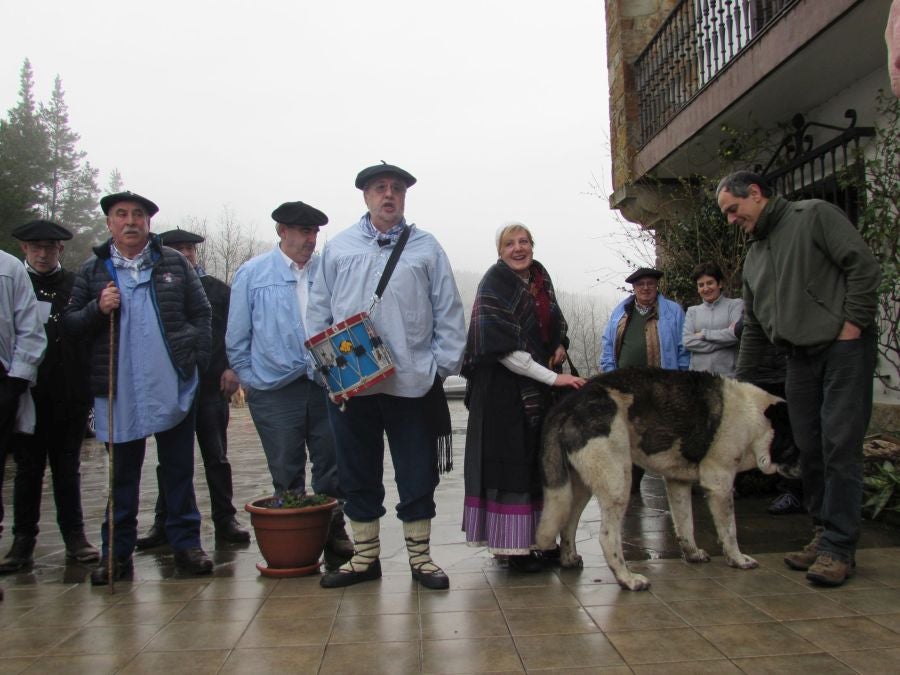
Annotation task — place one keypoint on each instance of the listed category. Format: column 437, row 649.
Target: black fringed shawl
column 504, row 320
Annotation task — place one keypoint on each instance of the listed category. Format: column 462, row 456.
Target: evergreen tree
column 115, row 183
column 24, row 146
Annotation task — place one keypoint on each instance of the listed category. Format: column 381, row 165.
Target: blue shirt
column 266, row 332
column 669, row 327
column 150, row 397
column 420, row 316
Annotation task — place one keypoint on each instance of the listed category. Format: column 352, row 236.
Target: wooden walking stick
column 110, row 510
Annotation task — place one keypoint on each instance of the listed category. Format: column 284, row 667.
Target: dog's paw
column 744, row 562
column 571, row 560
column 634, row 582
column 697, row 556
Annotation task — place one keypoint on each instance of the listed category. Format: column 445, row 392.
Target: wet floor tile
column 567, row 651
column 756, row 639
column 656, row 646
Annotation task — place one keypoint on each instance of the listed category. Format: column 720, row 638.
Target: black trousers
column 213, row 414
column 57, row 442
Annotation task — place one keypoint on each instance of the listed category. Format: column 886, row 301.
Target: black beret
column 300, row 214
column 369, row 173
column 41, row 230
column 643, row 272
column 179, row 236
column 111, row 200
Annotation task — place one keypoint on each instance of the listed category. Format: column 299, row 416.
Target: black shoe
column 20, row 556
column 80, row 549
column 156, row 536
column 436, row 580
column 123, row 570
column 340, row 578
column 231, row 531
column 785, row 503
column 525, row 563
column 194, row 560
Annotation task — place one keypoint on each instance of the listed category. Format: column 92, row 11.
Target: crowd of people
column 141, row 334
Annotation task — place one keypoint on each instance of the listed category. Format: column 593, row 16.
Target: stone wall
column 630, row 24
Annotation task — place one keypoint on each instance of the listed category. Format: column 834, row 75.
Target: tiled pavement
column 704, row 618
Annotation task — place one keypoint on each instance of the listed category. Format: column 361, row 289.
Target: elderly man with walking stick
column 147, row 370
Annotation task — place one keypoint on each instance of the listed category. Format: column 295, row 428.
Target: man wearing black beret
column 217, row 384
column 161, row 319
column 62, row 399
column 265, row 344
column 420, row 319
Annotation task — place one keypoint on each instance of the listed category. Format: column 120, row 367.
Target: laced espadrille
column 418, row 546
column 364, row 565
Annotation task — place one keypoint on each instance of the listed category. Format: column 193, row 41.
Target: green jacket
column 807, row 272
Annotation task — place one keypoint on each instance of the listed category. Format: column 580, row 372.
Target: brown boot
column 829, row 571
column 803, row 559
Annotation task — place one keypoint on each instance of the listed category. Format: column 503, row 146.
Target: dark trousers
column 829, row 395
column 212, row 436
column 59, row 442
column 175, row 450
column 359, row 432
column 7, row 422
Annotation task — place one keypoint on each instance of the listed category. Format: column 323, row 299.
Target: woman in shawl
column 514, row 353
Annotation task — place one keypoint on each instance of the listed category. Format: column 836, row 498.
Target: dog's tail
column 556, row 479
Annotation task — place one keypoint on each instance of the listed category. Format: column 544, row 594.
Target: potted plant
column 290, row 531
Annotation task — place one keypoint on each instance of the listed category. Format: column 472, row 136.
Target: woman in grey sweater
column 709, row 333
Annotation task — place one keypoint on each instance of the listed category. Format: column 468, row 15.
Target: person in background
column 709, row 327
column 644, row 330
column 217, row 383
column 811, row 288
column 162, row 340
column 514, row 353
column 62, row 399
column 267, row 328
column 420, row 319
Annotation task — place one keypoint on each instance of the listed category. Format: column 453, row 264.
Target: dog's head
column 784, row 453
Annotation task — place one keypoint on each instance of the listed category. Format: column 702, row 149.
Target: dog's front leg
column 683, row 519
column 721, row 505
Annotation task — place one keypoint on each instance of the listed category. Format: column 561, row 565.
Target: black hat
column 179, row 236
column 643, row 272
column 300, row 214
column 41, row 230
column 368, row 174
column 111, row 200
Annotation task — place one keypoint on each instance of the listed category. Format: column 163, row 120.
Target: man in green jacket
column 810, row 287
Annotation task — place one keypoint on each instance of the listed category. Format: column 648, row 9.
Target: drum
column 350, row 357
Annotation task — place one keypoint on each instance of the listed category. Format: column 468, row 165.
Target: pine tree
column 24, row 149
column 115, row 183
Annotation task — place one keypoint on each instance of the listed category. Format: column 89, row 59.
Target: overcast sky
column 499, row 108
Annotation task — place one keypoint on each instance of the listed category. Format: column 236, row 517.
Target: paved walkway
column 694, row 619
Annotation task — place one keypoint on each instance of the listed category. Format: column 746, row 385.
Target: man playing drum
column 420, row 319
column 264, row 342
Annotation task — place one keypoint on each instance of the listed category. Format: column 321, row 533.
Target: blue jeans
column 359, row 431
column 829, row 395
column 213, row 413
column 289, row 420
column 175, row 450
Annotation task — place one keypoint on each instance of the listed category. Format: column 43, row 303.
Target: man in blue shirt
column 265, row 345
column 162, row 340
column 420, row 320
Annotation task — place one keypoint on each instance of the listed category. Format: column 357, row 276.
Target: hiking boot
column 156, row 536
column 78, row 548
column 784, row 504
column 231, row 531
column 801, row 560
column 123, row 570
column 829, row 571
column 194, row 560
column 20, row 556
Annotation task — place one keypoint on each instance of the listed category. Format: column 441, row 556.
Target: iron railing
column 696, row 42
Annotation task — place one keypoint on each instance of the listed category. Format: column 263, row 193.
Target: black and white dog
column 685, row 426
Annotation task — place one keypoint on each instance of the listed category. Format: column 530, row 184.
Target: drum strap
column 391, row 263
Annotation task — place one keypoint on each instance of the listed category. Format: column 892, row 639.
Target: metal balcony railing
column 696, row 42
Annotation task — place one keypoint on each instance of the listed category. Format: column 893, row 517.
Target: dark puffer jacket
column 181, row 305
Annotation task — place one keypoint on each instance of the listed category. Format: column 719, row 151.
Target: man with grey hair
column 810, row 287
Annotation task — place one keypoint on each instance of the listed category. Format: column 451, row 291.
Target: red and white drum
column 350, row 356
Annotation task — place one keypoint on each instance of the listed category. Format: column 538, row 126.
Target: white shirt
column 301, row 276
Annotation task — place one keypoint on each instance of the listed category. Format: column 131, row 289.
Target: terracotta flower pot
column 290, row 539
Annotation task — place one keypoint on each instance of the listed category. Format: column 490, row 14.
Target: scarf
column 508, row 316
